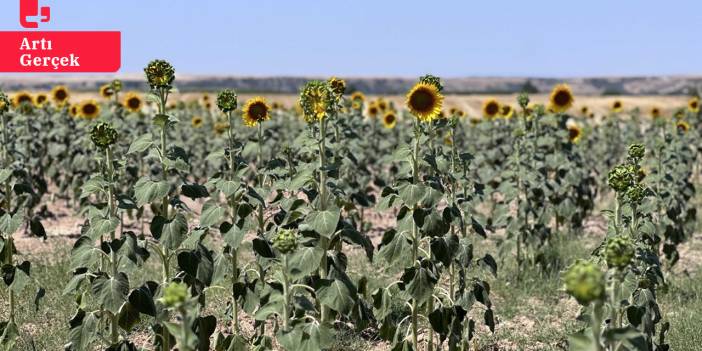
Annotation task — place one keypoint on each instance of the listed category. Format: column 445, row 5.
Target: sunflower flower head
column 116, row 85
column 255, row 111
column 22, row 98
column 636, row 152
column 89, row 109
column 584, row 110
column 655, row 112
column 619, row 251
column 693, row 105
column 358, row 96
column 227, row 100
column 73, row 110
column 133, row 102
column 103, row 135
column 561, row 98
column 617, row 106
column 220, row 127
column 585, row 282
column 424, row 100
column 196, row 121
column 523, row 100
column 373, row 110
column 174, row 294
column 390, row 119
column 506, row 111
column 317, row 101
column 622, row 177
column 491, row 108
column 575, row 133
column 682, row 127
column 160, row 74
column 40, row 100
column 60, row 95
column 338, row 86
column 106, row 91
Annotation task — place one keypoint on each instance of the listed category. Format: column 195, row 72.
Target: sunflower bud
column 433, row 80
column 174, row 294
column 523, row 100
column 103, row 135
column 584, row 281
column 619, row 251
column 160, row 74
column 226, row 100
column 285, row 241
column 635, row 194
column 636, row 151
column 620, row 178
column 4, row 103
column 116, row 85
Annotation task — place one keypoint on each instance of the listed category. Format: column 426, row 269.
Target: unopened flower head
column 585, row 282
column 103, row 135
column 619, row 251
column 175, row 294
column 285, row 241
column 637, row 151
column 160, row 74
column 4, row 103
column 317, row 100
column 227, row 100
column 621, row 177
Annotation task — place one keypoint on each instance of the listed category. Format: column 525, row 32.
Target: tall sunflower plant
column 425, row 243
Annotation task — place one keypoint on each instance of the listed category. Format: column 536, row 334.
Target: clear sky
column 563, row 38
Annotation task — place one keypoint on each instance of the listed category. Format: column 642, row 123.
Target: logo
column 31, row 14
column 56, row 51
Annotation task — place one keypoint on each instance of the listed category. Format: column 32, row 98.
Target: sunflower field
column 345, row 221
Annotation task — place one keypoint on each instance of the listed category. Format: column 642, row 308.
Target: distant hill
column 661, row 85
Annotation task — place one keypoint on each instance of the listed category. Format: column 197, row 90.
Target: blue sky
column 395, row 38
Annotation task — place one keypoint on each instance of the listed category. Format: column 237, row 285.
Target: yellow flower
column 89, row 109
column 60, row 95
column 682, row 126
column 255, row 111
column 474, row 120
column 390, row 119
column 506, row 111
column 460, row 113
column 584, row 110
column 316, row 99
column 106, row 91
column 356, row 105
column 338, row 86
column 491, row 108
column 382, row 104
column 358, row 96
column 40, row 100
column 693, row 105
column 561, row 98
column 574, row 133
column 132, row 102
column 21, row 98
column 424, row 101
column 373, row 110
column 196, row 122
column 220, row 127
column 655, row 112
column 73, row 111
column 617, row 106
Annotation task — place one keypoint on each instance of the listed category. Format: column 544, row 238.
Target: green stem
column 325, row 311
column 235, row 279
column 596, row 321
column 415, row 238
column 286, row 293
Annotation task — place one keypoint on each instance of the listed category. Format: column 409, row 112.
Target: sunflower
column 460, row 113
column 89, row 109
column 133, row 102
column 220, row 127
column 506, row 111
column 60, row 95
column 592, row 115
column 338, row 86
column 316, row 100
column 682, row 126
column 474, row 120
column 382, row 104
column 106, row 91
column 40, row 99
column 73, row 110
column 574, row 133
column 561, row 98
column 390, row 119
column 584, row 110
column 617, row 106
column 655, row 112
column 196, row 122
column 356, row 105
column 491, row 108
column 693, row 105
column 358, row 96
column 256, row 111
column 206, row 97
column 22, row 98
column 373, row 110
column 424, row 101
